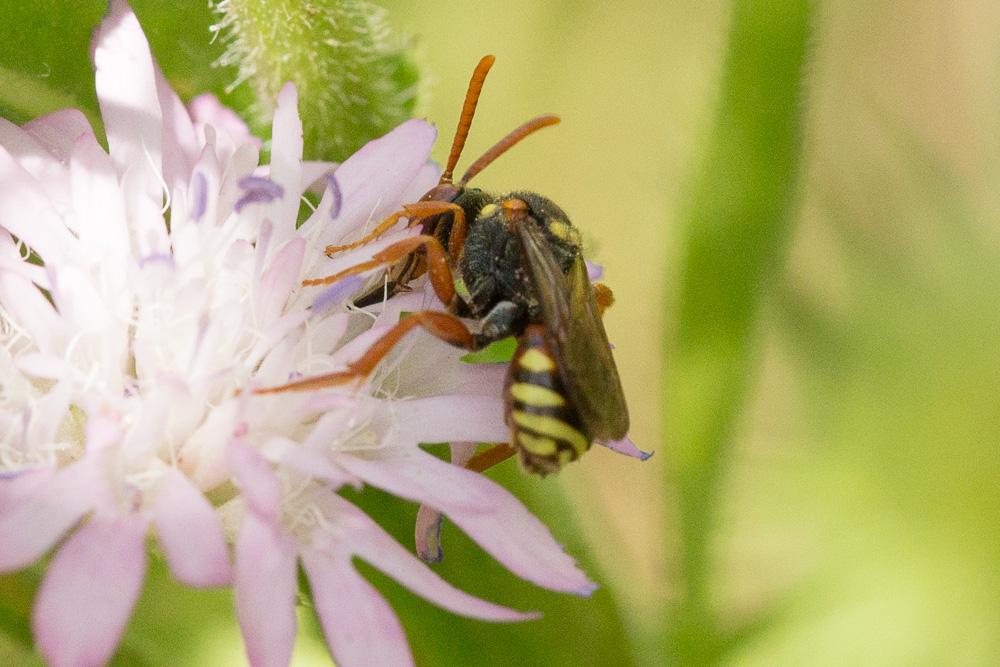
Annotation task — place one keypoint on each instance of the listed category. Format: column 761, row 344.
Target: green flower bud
column 356, row 80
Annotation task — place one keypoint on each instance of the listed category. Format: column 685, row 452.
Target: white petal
column 126, row 90
column 228, row 128
column 17, row 485
column 627, row 447
column 265, row 591
column 487, row 512
column 432, row 367
column 30, row 526
column 359, row 625
column 313, row 173
column 89, row 590
column 191, row 533
column 26, row 211
column 374, row 179
column 278, row 281
column 98, row 203
column 425, row 179
column 59, row 131
column 452, row 418
column 307, row 461
column 180, row 144
column 36, row 158
column 354, row 531
column 203, row 456
column 257, row 481
column 286, row 161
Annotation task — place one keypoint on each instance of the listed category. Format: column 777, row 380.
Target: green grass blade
column 732, row 249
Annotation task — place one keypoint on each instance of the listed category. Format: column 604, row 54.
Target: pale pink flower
column 169, row 287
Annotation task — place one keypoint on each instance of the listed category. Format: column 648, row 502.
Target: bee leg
column 490, row 457
column 416, row 212
column 603, row 296
column 441, row 325
column 437, row 265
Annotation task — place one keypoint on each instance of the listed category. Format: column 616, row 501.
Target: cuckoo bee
column 520, row 260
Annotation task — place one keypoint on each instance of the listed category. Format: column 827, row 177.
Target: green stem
column 732, row 250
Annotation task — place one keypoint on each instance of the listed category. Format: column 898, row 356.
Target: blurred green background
column 806, row 260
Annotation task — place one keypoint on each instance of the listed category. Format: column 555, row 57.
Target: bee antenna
column 505, row 144
column 468, row 111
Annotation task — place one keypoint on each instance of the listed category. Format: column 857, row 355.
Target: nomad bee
column 519, row 258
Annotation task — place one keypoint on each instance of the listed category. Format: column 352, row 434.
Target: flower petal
column 487, row 512
column 180, row 144
column 307, row 461
column 353, row 530
column 89, row 590
column 35, row 158
column 191, row 533
column 427, row 527
column 425, row 179
column 26, row 211
column 125, row 80
column 359, row 625
column 27, row 307
column 374, row 179
column 286, row 161
column 459, row 417
column 126, row 90
column 16, row 485
column 29, row 527
column 278, row 281
column 206, row 109
column 627, row 447
column 265, row 591
column 59, row 131
column 258, row 483
column 97, row 200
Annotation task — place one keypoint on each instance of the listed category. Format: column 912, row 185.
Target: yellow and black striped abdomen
column 545, row 427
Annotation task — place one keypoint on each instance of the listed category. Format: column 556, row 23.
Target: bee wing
column 573, row 324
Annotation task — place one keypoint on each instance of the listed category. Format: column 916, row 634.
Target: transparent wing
column 577, row 334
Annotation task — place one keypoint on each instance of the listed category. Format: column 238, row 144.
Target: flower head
column 145, row 291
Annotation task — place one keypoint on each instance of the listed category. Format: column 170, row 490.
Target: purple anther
column 258, row 190
column 338, row 199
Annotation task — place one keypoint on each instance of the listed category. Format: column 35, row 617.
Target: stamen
column 259, row 190
column 200, row 186
column 335, row 192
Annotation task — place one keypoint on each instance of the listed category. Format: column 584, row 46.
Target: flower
column 144, row 293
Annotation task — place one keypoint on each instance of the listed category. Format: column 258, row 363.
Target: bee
column 520, row 261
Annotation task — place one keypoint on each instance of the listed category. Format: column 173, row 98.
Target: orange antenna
column 505, row 144
column 468, row 111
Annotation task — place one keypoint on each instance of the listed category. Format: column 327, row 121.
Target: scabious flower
column 145, row 291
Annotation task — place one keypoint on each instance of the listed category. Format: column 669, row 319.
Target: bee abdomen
column 545, row 427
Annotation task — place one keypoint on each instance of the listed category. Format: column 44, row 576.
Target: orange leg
column 437, row 265
column 415, row 213
column 605, row 299
column 446, row 327
column 489, row 458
